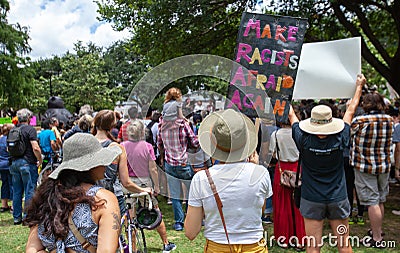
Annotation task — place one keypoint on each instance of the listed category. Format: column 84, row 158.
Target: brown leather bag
column 287, row 177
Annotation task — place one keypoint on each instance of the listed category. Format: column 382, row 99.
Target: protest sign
column 5, row 120
column 328, row 69
column 268, row 52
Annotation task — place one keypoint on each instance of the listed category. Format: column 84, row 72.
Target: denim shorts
column 319, row 211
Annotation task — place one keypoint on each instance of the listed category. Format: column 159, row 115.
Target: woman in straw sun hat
column 70, row 192
column 321, row 141
column 243, row 186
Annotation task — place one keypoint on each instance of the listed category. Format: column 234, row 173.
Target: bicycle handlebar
column 140, row 194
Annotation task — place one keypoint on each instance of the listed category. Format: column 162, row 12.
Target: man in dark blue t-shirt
column 321, row 141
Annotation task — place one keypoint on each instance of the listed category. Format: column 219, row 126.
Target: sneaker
column 169, row 247
column 169, row 202
column 17, row 222
column 178, row 226
column 360, row 220
column 396, row 212
column 352, row 220
column 266, row 220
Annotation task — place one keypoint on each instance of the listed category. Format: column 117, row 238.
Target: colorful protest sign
column 268, row 50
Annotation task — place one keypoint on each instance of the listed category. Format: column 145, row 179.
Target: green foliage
column 15, row 74
column 376, row 22
column 163, row 29
column 167, row 29
column 83, row 81
column 124, row 68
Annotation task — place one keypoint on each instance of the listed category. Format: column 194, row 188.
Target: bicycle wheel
column 140, row 240
column 44, row 173
column 123, row 240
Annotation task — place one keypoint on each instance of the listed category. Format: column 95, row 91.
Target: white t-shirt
column 243, row 188
column 287, row 148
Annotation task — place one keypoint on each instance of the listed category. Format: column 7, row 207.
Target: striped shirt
column 174, row 137
column 371, row 143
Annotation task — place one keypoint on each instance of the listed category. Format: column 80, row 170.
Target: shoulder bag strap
column 85, row 244
column 299, row 162
column 219, row 205
column 277, row 152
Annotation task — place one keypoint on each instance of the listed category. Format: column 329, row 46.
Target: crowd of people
column 341, row 152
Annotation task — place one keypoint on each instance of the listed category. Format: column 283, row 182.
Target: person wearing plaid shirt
column 173, row 139
column 123, row 134
column 370, row 156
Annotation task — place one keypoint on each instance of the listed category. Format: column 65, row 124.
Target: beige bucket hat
column 228, row 136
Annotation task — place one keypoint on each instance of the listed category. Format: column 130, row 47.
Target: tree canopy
column 15, row 74
column 165, row 29
column 377, row 22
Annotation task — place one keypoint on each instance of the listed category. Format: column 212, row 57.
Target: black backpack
column 16, row 144
column 149, row 133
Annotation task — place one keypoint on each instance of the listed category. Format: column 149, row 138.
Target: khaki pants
column 213, row 247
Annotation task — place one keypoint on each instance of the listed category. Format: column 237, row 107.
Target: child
column 172, row 108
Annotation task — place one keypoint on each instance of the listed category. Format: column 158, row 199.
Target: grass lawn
column 13, row 238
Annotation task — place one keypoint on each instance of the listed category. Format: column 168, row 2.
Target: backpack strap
column 106, row 143
column 150, row 125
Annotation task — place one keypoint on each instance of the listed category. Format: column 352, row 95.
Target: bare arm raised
column 351, row 109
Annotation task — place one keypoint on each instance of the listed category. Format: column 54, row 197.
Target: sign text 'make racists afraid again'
column 268, row 51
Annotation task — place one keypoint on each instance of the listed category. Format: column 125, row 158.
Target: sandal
column 369, row 233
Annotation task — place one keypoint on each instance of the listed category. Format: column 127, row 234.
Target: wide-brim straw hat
column 83, row 152
column 321, row 122
column 228, row 136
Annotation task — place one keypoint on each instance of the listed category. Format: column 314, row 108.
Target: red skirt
column 288, row 221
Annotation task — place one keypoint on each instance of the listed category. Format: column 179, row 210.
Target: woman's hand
column 292, row 116
column 149, row 190
column 361, row 81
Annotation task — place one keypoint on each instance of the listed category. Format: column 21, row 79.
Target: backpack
column 16, row 144
column 149, row 134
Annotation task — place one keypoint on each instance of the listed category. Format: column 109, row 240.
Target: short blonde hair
column 135, row 130
column 85, row 122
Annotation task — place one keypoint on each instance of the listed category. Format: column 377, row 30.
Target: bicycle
column 132, row 238
column 53, row 162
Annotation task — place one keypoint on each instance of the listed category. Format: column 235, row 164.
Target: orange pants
column 213, row 247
